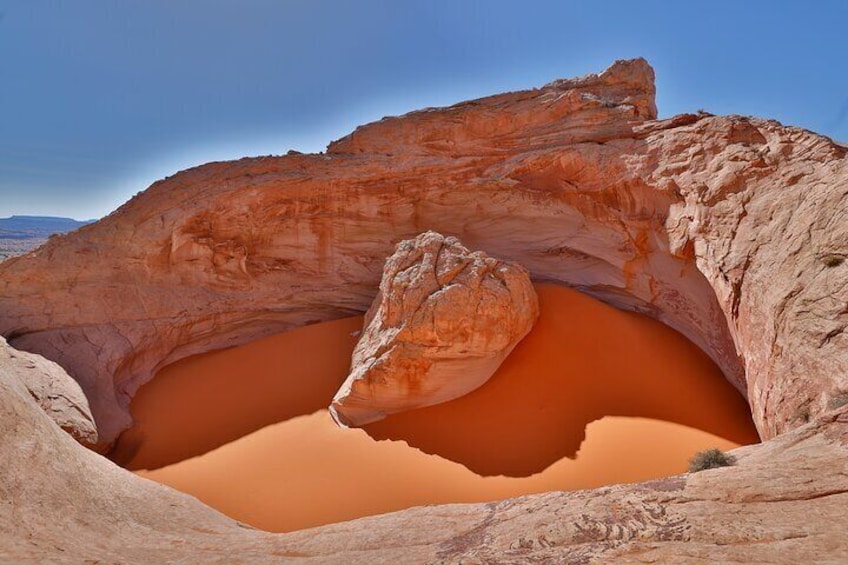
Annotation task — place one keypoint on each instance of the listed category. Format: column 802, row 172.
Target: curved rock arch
column 721, row 227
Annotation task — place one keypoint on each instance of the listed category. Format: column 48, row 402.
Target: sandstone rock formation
column 722, row 227
column 443, row 321
column 225, row 253
column 730, row 229
column 56, row 393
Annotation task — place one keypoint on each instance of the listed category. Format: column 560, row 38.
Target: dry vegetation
column 710, row 459
column 13, row 247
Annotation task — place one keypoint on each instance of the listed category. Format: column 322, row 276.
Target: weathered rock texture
column 729, row 229
column 784, row 502
column 726, row 228
column 443, row 321
column 557, row 179
column 56, row 393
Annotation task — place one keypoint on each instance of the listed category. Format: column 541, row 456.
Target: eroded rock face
column 559, row 179
column 443, row 321
column 56, row 393
column 729, row 229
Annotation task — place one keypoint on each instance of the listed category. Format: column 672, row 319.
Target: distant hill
column 23, row 227
column 19, row 234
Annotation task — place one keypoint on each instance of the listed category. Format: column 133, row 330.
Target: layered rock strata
column 228, row 252
column 728, row 229
column 443, row 321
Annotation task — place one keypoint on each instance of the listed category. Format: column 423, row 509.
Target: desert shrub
column 838, row 400
column 710, row 459
column 833, row 261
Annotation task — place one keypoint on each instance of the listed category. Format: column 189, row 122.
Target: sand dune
column 592, row 396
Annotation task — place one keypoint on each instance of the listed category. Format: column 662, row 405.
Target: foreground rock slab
column 783, row 502
column 442, row 323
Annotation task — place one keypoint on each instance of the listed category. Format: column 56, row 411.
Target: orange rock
column 554, row 178
column 721, row 227
column 729, row 229
column 442, row 323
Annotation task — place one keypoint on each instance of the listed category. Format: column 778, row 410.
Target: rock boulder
column 442, row 323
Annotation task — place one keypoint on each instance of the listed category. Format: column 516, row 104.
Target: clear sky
column 100, row 98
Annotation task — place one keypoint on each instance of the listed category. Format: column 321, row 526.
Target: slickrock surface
column 730, row 229
column 443, row 321
column 56, row 393
column 784, row 502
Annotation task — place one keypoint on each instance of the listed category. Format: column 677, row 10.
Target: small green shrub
column 710, row 459
column 838, row 400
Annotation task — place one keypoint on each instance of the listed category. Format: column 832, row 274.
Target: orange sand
column 205, row 401
column 306, row 472
column 583, row 367
column 582, row 361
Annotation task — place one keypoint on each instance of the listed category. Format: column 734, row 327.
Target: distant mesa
column 38, row 226
column 20, row 234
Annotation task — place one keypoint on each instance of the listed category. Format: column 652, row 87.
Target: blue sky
column 99, row 98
